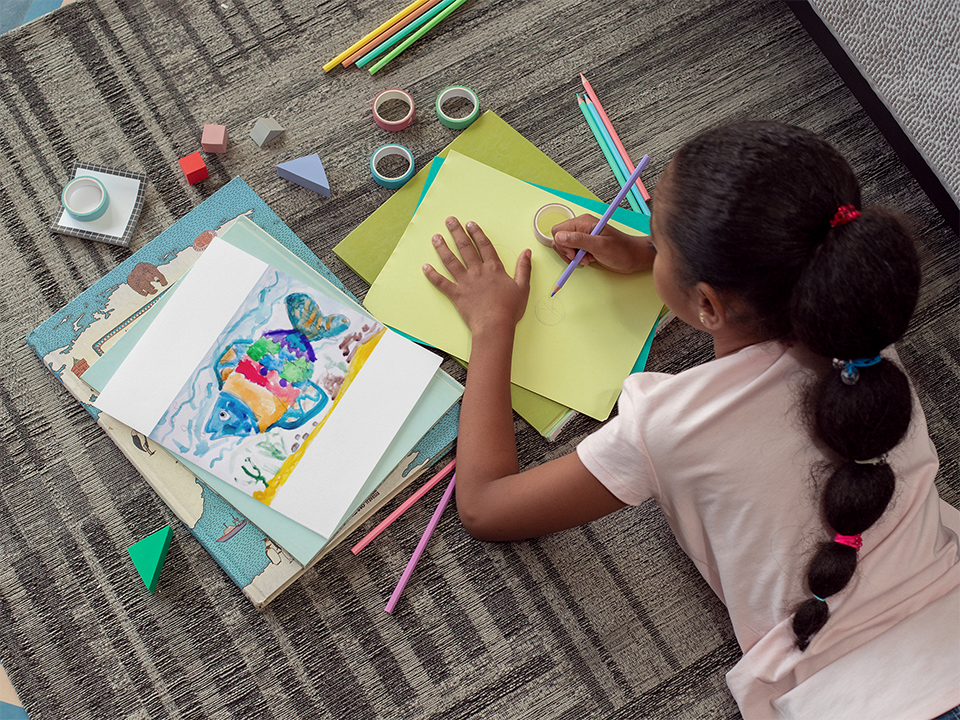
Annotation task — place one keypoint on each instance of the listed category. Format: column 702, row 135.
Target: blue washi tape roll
column 85, row 198
column 382, row 152
column 455, row 92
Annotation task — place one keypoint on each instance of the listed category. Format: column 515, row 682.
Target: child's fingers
column 450, row 261
column 488, row 253
column 522, row 274
column 465, row 245
column 568, row 243
column 435, row 278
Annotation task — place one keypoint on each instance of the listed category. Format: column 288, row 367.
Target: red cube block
column 214, row 138
column 194, row 168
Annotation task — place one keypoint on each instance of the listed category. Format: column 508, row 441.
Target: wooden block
column 214, row 138
column 265, row 130
column 149, row 554
column 194, row 168
column 307, row 172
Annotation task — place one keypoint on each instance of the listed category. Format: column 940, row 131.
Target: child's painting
column 290, row 393
column 268, row 384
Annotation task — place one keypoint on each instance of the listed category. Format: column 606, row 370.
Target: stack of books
column 234, row 470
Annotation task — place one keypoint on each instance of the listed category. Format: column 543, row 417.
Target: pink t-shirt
column 724, row 450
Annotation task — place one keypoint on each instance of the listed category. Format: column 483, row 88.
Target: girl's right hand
column 612, row 249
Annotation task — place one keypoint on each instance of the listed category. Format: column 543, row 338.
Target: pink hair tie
column 854, row 541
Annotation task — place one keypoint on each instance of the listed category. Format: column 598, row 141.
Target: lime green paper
column 576, row 348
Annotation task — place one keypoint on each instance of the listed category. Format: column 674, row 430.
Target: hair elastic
column 844, row 214
column 823, row 600
column 872, row 461
column 848, row 368
column 854, row 541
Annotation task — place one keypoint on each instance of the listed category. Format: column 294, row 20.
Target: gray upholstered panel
column 910, row 53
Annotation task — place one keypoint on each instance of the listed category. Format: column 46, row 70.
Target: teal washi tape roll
column 391, row 182
column 85, row 198
column 455, row 92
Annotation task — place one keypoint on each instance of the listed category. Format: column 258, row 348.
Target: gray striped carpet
column 607, row 621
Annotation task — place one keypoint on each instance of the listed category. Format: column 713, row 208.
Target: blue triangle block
column 307, row 172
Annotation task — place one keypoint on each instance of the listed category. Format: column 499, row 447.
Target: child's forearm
column 486, row 446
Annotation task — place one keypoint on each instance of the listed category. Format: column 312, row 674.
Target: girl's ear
column 712, row 311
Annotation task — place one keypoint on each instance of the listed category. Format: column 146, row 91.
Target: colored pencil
column 417, row 35
column 407, row 504
column 390, row 42
column 602, row 222
column 389, row 32
column 634, row 192
column 607, row 152
column 613, row 133
column 421, row 546
column 367, row 38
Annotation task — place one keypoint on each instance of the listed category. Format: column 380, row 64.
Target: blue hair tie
column 849, row 372
column 819, row 598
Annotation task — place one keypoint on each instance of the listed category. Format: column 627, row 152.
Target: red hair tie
column 845, row 213
column 854, row 541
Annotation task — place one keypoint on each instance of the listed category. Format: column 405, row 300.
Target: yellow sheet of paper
column 575, row 348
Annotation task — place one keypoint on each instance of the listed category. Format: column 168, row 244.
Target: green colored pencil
column 391, row 41
column 607, row 153
column 417, row 35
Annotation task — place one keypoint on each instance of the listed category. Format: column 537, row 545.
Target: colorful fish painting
column 267, row 383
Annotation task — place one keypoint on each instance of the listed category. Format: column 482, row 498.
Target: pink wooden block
column 214, row 138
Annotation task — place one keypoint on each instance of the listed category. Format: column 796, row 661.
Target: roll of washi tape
column 392, row 94
column 384, row 151
column 549, row 215
column 85, row 198
column 455, row 92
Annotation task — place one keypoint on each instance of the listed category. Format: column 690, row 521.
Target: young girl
column 795, row 469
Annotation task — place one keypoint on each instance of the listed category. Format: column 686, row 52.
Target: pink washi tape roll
column 393, row 94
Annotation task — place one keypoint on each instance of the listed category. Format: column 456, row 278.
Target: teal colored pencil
column 615, row 154
column 606, row 152
column 391, row 41
column 417, row 35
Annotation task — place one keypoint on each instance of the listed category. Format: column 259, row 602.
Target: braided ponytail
column 854, row 298
column 766, row 213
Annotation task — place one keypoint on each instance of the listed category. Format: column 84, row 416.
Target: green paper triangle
column 149, row 554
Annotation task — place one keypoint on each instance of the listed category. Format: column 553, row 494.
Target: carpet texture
column 607, row 621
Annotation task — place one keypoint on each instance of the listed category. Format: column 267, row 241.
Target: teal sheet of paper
column 303, row 544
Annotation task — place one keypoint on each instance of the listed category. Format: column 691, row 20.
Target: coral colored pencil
column 389, row 33
column 608, row 151
column 417, row 35
column 402, row 33
column 422, row 545
column 367, row 38
column 618, row 161
column 613, row 133
column 407, row 504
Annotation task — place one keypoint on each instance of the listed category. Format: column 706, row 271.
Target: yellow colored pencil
column 367, row 38
column 417, row 35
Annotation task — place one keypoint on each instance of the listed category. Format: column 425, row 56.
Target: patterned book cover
column 71, row 341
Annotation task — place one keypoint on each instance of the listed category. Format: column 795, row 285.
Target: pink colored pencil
column 389, row 33
column 422, row 545
column 613, row 133
column 424, row 489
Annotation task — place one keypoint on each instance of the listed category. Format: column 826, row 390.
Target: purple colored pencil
column 422, row 545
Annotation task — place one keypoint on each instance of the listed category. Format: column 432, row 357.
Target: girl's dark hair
column 748, row 210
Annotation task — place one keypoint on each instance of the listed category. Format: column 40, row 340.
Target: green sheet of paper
column 575, row 348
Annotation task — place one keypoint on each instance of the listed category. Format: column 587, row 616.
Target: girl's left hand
column 481, row 290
